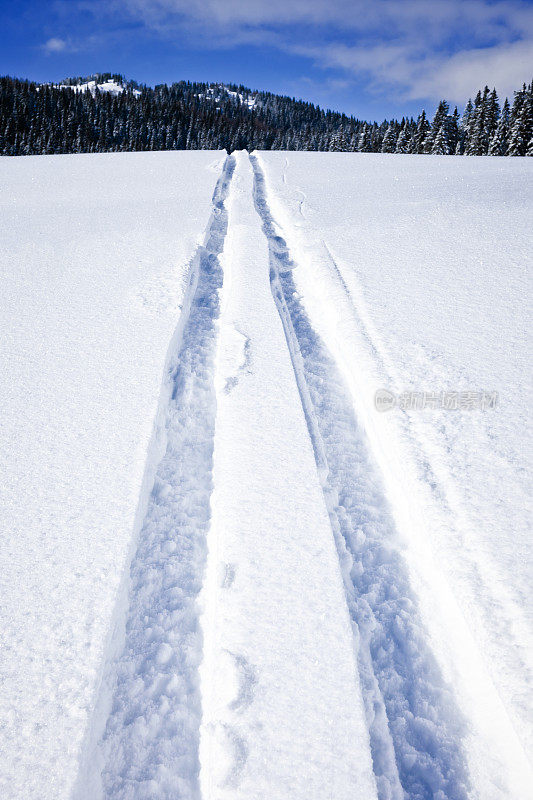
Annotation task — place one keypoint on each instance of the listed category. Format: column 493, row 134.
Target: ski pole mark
column 228, row 577
column 247, row 682
column 245, row 357
column 240, row 751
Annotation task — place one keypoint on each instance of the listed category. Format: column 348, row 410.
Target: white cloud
column 429, row 19
column 505, row 66
column 55, row 45
column 419, row 74
column 421, row 49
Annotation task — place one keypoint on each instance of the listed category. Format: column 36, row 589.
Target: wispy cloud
column 418, row 73
column 419, row 49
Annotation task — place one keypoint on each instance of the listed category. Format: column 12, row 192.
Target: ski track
column 415, row 726
column 498, row 604
column 279, row 675
column 150, row 745
column 150, row 748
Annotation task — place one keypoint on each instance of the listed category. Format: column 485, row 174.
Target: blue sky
column 371, row 59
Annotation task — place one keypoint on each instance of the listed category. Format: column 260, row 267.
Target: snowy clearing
column 226, row 575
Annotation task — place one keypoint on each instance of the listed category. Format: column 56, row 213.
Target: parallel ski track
column 150, row 745
column 416, row 730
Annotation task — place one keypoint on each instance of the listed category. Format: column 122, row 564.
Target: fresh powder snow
column 264, row 454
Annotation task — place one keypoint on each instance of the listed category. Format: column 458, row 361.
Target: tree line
column 38, row 119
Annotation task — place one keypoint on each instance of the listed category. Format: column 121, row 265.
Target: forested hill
column 106, row 113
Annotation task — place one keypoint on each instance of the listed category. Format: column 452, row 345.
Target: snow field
column 95, row 260
column 282, row 710
column 380, row 307
column 225, row 574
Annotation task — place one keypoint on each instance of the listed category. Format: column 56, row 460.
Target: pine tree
column 522, row 126
column 403, row 145
column 517, row 105
column 364, row 142
column 389, row 140
column 492, row 116
column 338, row 142
column 499, row 142
column 476, row 144
column 54, row 119
column 437, row 126
column 422, row 129
column 464, row 127
column 441, row 145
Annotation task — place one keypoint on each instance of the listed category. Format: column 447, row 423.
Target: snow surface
column 95, row 261
column 248, row 99
column 416, row 274
column 225, row 575
column 106, row 86
column 283, row 714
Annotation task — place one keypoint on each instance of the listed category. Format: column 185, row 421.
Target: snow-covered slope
column 218, row 91
column 245, row 581
column 110, row 86
column 95, row 262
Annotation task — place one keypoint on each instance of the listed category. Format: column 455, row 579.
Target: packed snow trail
column 150, row 743
column 283, row 713
column 416, row 729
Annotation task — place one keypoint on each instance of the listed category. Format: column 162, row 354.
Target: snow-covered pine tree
column 422, row 129
column 499, row 142
column 403, row 145
column 338, row 142
column 492, row 116
column 453, row 131
column 463, row 128
column 389, row 140
column 476, row 144
column 521, row 124
column 518, row 101
column 364, row 142
column 441, row 145
column 437, row 126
